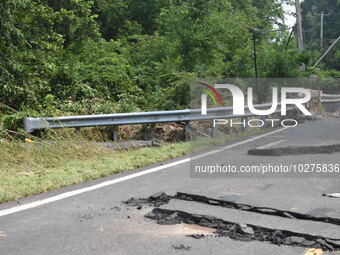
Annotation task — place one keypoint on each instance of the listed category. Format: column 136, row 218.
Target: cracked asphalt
column 98, row 222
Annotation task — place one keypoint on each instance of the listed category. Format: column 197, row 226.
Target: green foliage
column 311, row 10
column 103, row 56
column 34, row 34
column 104, row 70
column 322, row 73
column 277, row 60
column 13, row 121
column 129, row 17
column 206, row 34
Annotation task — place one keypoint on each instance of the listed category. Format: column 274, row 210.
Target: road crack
column 244, row 232
column 256, row 209
column 295, row 150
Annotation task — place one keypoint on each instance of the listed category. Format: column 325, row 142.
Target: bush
column 14, row 121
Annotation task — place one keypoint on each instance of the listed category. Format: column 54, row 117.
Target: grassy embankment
column 28, row 169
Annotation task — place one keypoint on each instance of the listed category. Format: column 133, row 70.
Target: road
column 93, row 219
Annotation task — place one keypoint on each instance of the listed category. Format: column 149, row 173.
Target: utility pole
column 321, row 28
column 299, row 26
column 255, row 67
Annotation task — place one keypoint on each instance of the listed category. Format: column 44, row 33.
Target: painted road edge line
column 268, row 145
column 125, row 178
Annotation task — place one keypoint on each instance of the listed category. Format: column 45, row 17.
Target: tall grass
column 68, row 158
column 32, row 168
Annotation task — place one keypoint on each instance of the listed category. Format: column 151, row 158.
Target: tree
column 127, row 17
column 34, row 35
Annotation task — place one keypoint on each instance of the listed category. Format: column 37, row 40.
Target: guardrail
column 330, row 103
column 32, row 124
column 326, row 98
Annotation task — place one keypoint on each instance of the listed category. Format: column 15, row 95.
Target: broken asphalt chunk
column 246, row 229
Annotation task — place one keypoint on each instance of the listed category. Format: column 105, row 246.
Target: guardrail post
column 244, row 127
column 213, row 130
column 115, row 134
column 263, row 118
column 187, row 131
column 275, row 117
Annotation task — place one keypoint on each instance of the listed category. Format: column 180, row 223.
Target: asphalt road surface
column 91, row 219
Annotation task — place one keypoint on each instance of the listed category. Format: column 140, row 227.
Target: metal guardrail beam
column 330, row 96
column 31, row 124
column 330, row 103
column 326, row 98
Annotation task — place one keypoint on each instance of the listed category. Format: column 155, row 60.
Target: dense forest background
column 105, row 56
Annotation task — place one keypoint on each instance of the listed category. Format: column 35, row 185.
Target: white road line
column 239, row 143
column 90, row 188
column 271, row 144
column 125, row 178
